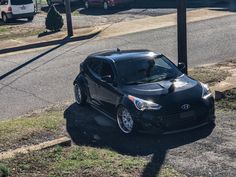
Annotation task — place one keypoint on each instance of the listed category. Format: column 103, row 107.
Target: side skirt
column 102, row 112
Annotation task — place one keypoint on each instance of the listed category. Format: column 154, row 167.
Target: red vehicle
column 106, row 4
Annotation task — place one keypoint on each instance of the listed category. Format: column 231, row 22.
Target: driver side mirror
column 107, row 79
column 181, row 66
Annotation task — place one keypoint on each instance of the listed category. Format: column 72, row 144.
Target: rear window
column 21, row 2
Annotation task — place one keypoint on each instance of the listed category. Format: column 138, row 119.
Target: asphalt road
column 48, row 80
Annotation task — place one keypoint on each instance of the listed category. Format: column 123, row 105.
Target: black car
column 143, row 90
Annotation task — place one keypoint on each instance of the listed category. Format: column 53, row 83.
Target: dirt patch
column 31, row 130
column 229, row 101
column 209, row 75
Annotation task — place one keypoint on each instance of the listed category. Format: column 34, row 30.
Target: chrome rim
column 86, row 4
column 77, row 91
column 125, row 120
column 105, row 5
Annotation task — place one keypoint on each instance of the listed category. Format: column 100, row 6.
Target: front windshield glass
column 145, row 70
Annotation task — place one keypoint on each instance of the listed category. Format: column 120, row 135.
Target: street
column 48, row 80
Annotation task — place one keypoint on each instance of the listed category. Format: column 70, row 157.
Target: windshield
column 145, row 70
column 21, row 2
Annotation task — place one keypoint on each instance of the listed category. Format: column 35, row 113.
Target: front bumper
column 167, row 121
column 16, row 16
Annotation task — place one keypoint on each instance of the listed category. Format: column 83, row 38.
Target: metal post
column 68, row 18
column 182, row 33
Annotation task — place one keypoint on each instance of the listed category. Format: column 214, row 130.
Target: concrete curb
column 64, row 141
column 52, row 42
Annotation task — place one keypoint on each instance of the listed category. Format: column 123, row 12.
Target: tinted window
column 107, row 70
column 95, row 66
column 145, row 70
column 20, row 2
column 4, row 2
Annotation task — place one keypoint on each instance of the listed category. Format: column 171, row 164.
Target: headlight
column 205, row 91
column 142, row 105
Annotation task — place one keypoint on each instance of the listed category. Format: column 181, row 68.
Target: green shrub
column 54, row 20
column 4, row 171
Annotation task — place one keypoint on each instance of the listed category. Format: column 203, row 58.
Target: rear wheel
column 125, row 120
column 4, row 18
column 80, row 96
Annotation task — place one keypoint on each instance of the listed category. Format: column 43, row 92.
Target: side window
column 107, row 70
column 4, row 2
column 95, row 66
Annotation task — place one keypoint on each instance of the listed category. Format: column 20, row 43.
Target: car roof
column 119, row 55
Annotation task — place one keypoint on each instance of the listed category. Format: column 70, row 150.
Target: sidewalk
column 116, row 29
column 52, row 39
column 150, row 23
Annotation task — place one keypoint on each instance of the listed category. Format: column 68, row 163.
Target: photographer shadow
column 87, row 127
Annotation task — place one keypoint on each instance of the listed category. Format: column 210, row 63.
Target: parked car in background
column 59, row 1
column 15, row 9
column 106, row 4
column 143, row 90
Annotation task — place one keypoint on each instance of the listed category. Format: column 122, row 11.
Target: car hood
column 182, row 86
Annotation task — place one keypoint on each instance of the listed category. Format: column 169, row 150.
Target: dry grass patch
column 30, row 130
column 81, row 161
column 209, row 75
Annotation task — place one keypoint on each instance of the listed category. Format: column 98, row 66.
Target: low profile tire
column 30, row 19
column 80, row 96
column 4, row 18
column 86, row 5
column 125, row 120
column 105, row 5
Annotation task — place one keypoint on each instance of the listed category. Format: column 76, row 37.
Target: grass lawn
column 79, row 161
column 2, row 29
column 31, row 130
column 229, row 102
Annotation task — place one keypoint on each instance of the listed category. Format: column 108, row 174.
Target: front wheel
column 80, row 96
column 125, row 120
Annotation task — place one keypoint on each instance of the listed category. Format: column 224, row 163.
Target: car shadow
column 88, row 127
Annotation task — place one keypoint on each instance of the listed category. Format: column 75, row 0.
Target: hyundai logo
column 185, row 107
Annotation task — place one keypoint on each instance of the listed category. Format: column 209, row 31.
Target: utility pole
column 68, row 18
column 182, row 33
